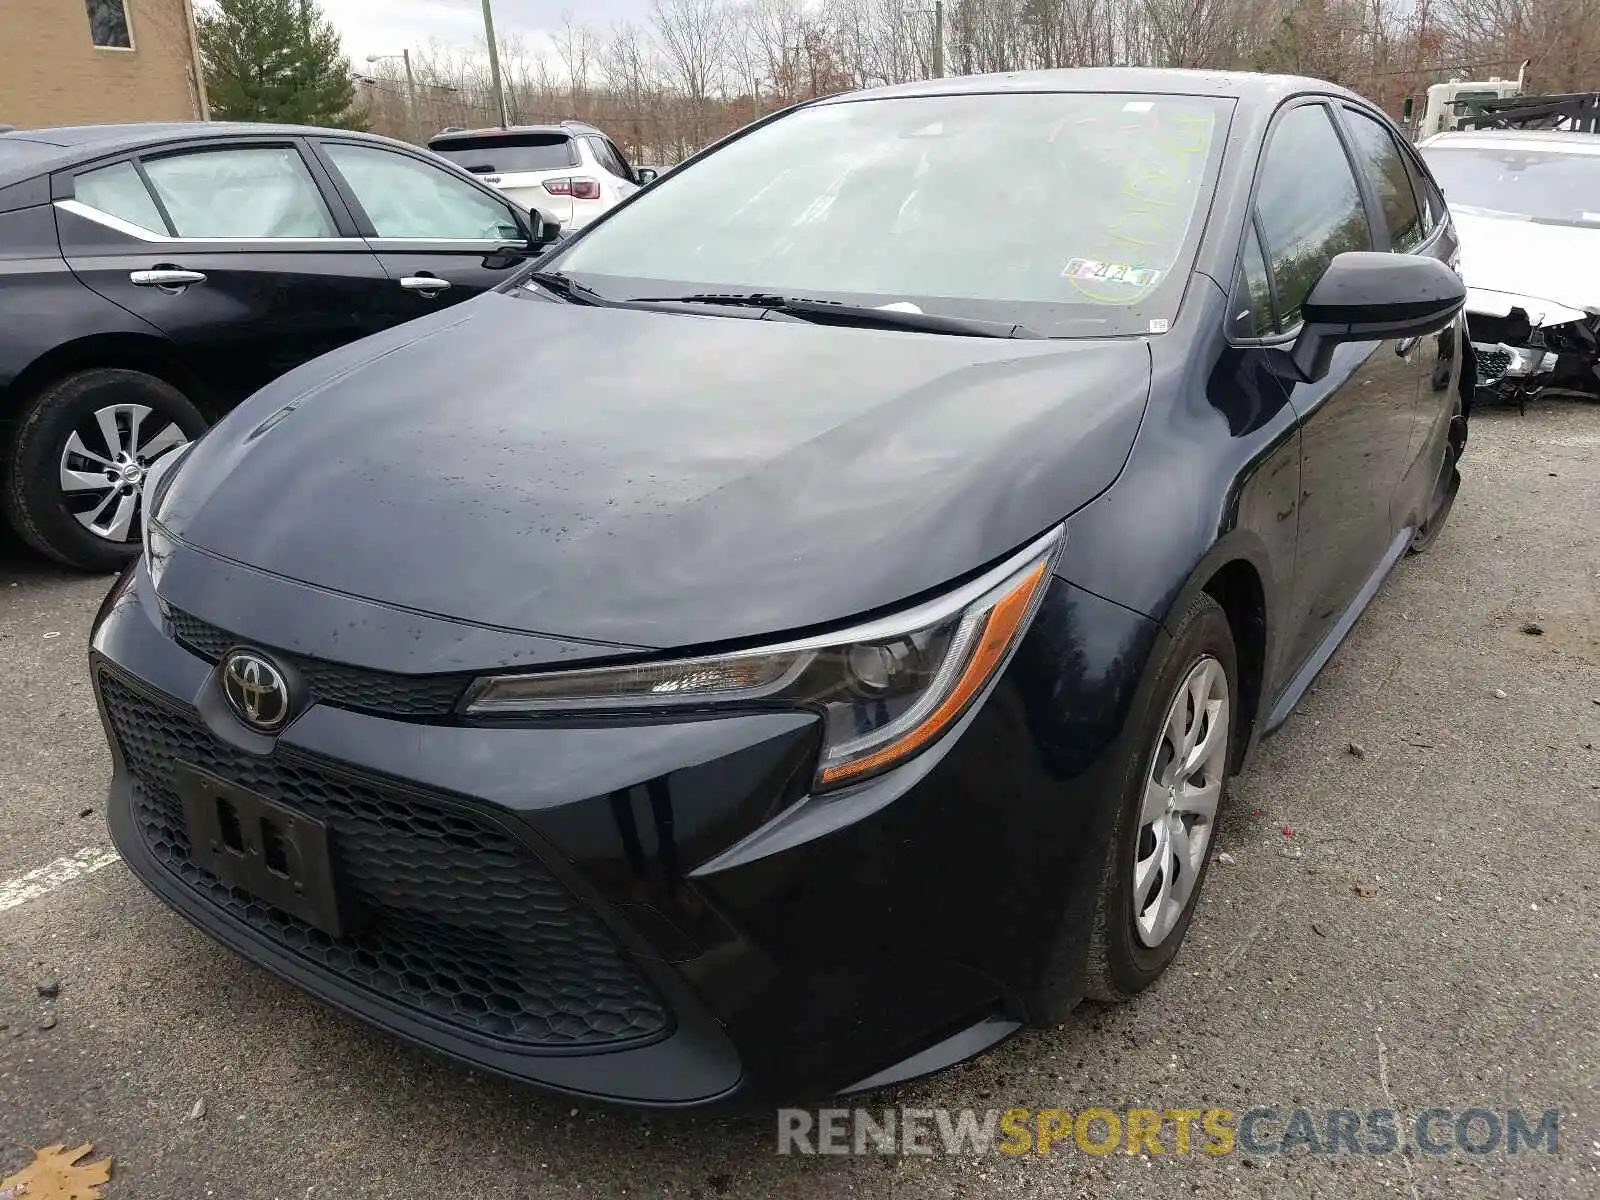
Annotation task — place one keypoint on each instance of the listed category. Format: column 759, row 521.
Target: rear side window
column 1385, row 164
column 609, row 159
column 1309, row 205
column 246, row 192
column 492, row 155
column 119, row 192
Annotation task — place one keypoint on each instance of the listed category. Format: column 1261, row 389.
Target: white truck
column 1450, row 103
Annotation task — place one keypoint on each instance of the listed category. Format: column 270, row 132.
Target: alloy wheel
column 1181, row 794
column 104, row 463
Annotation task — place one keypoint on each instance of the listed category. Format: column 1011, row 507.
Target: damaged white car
column 1526, row 204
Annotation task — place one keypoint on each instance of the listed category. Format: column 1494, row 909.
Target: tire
column 1447, row 483
column 58, row 432
column 1134, row 939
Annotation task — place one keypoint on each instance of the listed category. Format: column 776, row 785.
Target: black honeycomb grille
column 1492, row 364
column 454, row 917
column 335, row 683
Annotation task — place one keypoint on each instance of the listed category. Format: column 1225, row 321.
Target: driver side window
column 405, row 198
column 1309, row 210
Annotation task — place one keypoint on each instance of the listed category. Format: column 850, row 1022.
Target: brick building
column 75, row 62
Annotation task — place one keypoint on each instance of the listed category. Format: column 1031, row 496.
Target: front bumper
column 652, row 914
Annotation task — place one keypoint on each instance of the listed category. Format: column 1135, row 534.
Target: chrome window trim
column 79, row 209
column 404, row 243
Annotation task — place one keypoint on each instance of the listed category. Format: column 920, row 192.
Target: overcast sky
column 389, row 26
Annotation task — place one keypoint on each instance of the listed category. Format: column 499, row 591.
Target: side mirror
column 1367, row 296
column 646, row 175
column 542, row 230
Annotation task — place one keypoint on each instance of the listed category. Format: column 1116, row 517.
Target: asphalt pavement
column 1406, row 920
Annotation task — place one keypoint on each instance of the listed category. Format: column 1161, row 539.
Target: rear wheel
column 1171, row 801
column 75, row 470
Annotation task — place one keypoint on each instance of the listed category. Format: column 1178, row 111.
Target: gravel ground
column 1424, row 938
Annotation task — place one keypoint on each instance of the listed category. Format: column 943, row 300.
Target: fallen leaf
column 1357, row 750
column 1533, row 629
column 1288, row 831
column 1317, row 929
column 52, row 1176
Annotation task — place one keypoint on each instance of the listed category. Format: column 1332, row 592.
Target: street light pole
column 413, row 120
column 494, row 63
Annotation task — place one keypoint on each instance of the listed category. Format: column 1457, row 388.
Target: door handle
column 168, row 279
column 1403, row 346
column 429, row 285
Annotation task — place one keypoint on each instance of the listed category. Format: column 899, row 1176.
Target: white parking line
column 48, row 878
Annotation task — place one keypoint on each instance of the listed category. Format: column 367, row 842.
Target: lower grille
column 1492, row 364
column 454, row 917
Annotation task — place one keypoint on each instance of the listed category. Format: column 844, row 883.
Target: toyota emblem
column 256, row 690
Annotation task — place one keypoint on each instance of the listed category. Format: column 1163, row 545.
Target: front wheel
column 74, row 477
column 1168, row 811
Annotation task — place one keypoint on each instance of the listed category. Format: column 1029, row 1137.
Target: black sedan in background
column 801, row 630
column 153, row 276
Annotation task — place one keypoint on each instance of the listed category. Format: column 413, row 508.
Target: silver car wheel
column 1181, row 793
column 103, row 467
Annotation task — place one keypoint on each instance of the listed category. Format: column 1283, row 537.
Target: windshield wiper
column 861, row 315
column 567, row 288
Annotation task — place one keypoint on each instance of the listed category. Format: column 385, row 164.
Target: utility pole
column 919, row 6
column 494, row 64
column 411, row 96
column 413, row 123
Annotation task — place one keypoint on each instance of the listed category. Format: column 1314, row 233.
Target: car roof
column 66, row 145
column 1247, row 86
column 1566, row 141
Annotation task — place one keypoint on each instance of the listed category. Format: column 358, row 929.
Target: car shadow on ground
column 21, row 564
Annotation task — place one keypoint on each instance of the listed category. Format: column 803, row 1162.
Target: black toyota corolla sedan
column 802, row 630
column 154, row 275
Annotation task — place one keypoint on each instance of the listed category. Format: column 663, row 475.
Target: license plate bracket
column 281, row 857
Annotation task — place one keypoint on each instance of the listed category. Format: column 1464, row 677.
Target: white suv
column 570, row 172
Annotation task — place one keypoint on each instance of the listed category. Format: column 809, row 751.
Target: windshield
column 1073, row 214
column 1545, row 185
column 494, row 155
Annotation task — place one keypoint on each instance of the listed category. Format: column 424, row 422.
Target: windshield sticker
column 1160, row 325
column 1095, row 271
column 1162, row 154
column 1138, row 106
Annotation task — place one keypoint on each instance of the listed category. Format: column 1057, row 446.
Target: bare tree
column 694, row 37
column 700, row 68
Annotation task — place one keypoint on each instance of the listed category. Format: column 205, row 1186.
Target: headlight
column 886, row 689
column 157, row 479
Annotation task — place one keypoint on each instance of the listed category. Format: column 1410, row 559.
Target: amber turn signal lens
column 1001, row 625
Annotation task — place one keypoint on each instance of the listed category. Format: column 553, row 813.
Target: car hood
column 1554, row 267
column 656, row 479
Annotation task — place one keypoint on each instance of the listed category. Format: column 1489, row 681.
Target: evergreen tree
column 276, row 60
